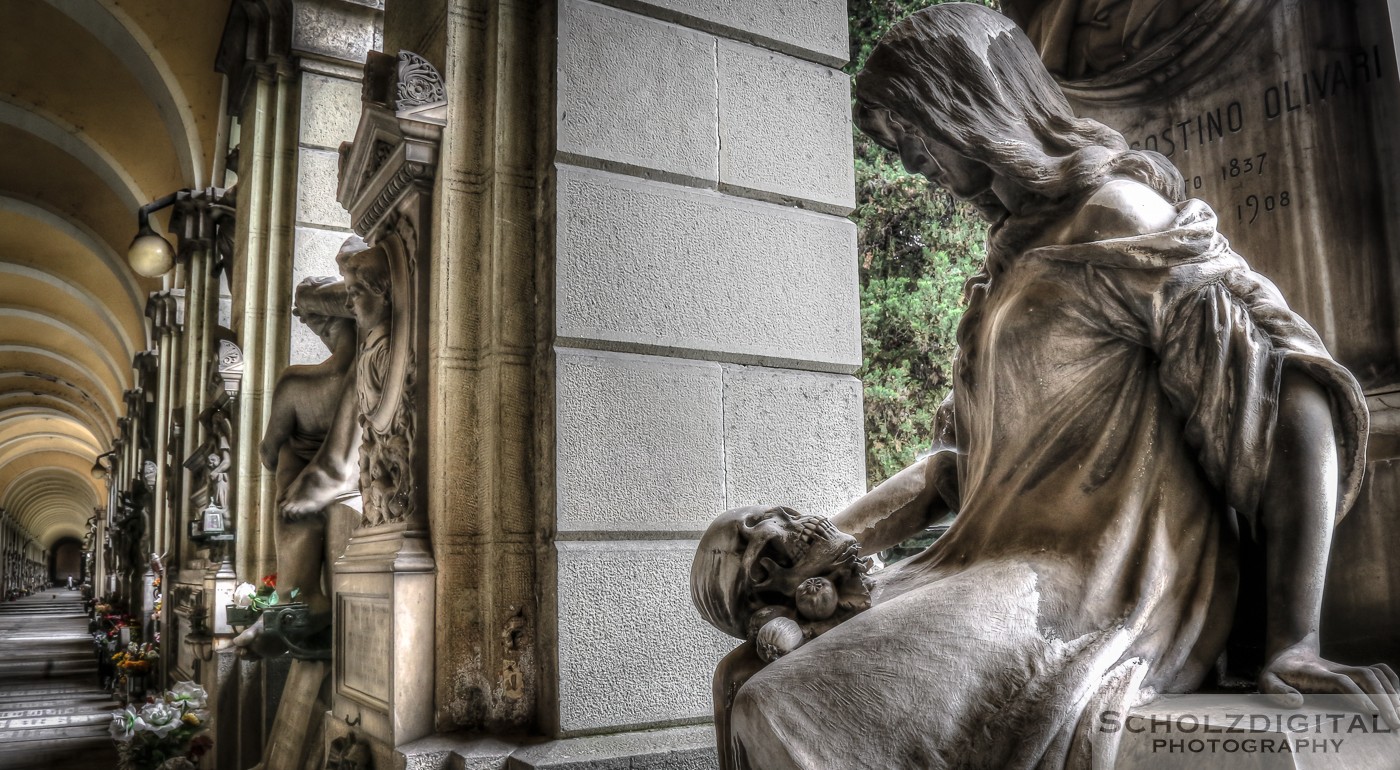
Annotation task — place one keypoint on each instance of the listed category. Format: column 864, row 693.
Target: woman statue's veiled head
column 966, row 77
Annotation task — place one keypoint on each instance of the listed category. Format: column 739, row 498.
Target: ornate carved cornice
column 396, row 143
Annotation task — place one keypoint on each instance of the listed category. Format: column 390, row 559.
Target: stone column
column 258, row 155
column 164, row 310
column 485, row 337
column 191, row 389
column 4, row 555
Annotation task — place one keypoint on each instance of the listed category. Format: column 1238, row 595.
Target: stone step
column 53, row 714
column 91, row 751
column 56, row 668
column 65, row 707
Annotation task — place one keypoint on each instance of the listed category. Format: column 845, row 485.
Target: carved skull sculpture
column 783, row 548
column 763, row 565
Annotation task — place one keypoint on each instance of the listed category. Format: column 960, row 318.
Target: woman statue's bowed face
column 967, row 179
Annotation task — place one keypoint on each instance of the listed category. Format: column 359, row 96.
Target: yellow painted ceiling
column 104, row 105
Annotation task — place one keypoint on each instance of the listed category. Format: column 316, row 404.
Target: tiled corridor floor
column 53, row 713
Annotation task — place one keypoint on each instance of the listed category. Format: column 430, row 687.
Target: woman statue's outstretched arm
column 1297, row 510
column 901, row 507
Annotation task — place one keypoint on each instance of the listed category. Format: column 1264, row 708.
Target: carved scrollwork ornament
column 229, row 355
column 419, row 84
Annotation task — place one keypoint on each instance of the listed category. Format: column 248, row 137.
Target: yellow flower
column 190, row 719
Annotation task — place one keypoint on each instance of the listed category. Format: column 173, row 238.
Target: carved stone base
column 384, row 615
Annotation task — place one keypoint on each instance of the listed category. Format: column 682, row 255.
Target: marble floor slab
column 53, row 711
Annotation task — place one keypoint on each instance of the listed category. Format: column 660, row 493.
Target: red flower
column 270, row 581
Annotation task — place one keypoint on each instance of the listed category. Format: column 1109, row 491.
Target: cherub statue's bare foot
column 311, row 492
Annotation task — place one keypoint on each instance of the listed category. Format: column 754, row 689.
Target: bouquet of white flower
column 165, row 733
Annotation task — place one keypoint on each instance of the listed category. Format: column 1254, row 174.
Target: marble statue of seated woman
column 1128, row 397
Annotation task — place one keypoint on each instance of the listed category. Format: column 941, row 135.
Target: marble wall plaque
column 365, row 628
column 1282, row 136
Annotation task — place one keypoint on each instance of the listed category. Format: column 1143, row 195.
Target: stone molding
column 396, row 143
column 166, row 309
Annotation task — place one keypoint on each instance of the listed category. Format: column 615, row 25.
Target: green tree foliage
column 917, row 246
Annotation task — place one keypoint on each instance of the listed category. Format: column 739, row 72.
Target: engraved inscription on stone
column 363, row 648
column 1278, row 139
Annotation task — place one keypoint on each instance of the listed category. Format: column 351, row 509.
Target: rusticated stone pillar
column 643, row 310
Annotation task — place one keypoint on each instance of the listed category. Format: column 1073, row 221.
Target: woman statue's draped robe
column 1113, row 412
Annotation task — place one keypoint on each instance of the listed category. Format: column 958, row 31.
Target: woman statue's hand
column 1299, row 669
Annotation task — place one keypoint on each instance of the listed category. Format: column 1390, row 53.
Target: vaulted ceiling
column 104, row 105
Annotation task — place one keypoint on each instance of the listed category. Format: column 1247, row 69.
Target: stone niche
column 383, row 582
column 1280, row 114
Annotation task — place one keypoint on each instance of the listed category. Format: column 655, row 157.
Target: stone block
column 652, row 267
column 317, row 180
column 793, row 438
column 639, row 442
column 313, row 254
column 330, row 110
column 677, row 748
column 636, row 91
column 342, row 30
column 812, row 29
column 785, row 128
column 632, row 650
column 298, row 723
column 453, row 751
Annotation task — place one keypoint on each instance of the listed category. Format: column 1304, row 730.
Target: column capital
column 166, row 309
